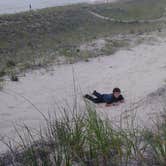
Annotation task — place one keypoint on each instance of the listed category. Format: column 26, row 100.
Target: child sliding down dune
column 115, row 98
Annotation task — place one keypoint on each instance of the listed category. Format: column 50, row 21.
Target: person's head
column 116, row 92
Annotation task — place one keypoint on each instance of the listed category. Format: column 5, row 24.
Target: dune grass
column 1, row 83
column 85, row 139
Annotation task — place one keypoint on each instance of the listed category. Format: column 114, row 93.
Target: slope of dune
column 139, row 72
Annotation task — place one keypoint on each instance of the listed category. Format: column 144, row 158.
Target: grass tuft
column 86, row 139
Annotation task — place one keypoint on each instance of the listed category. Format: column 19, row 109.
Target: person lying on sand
column 115, row 98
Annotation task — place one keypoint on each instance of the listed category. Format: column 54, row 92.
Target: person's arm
column 112, row 104
column 116, row 104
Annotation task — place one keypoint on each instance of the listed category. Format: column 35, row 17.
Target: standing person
column 30, row 6
column 114, row 98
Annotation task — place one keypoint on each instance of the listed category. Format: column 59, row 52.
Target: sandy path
column 138, row 72
column 163, row 18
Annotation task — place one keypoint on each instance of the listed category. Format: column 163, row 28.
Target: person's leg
column 98, row 95
column 95, row 100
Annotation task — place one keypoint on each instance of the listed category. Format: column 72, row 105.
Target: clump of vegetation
column 112, row 46
column 14, row 77
column 2, row 73
column 156, row 141
column 108, row 49
column 87, row 139
column 1, row 84
column 10, row 63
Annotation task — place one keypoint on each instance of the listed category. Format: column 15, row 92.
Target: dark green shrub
column 2, row 73
column 14, row 77
column 10, row 63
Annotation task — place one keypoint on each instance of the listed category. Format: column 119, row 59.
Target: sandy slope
column 138, row 72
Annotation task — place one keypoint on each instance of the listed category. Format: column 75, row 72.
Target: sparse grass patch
column 112, row 46
column 86, row 54
column 156, row 141
column 45, row 34
column 10, row 63
column 1, row 84
column 2, row 73
column 108, row 49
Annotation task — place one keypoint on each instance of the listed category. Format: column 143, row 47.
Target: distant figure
column 115, row 98
column 30, row 7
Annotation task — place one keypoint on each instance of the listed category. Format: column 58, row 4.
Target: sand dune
column 139, row 72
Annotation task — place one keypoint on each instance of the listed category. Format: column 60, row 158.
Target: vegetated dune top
column 139, row 72
column 13, row 6
column 52, row 31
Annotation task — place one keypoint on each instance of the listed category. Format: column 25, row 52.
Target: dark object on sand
column 14, row 78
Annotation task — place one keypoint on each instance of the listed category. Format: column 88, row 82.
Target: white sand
column 138, row 72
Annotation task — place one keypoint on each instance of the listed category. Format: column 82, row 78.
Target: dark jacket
column 109, row 98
